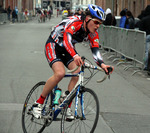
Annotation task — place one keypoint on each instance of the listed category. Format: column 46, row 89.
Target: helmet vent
column 93, row 7
column 98, row 13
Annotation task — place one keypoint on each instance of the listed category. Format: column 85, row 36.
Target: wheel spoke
column 29, row 123
column 91, row 113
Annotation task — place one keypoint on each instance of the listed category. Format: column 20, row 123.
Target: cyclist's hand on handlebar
column 108, row 69
column 78, row 60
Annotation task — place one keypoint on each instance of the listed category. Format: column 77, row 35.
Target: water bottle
column 57, row 96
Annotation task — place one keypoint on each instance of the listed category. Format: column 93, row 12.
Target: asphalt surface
column 124, row 99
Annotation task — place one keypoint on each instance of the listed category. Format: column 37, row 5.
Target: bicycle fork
column 81, row 102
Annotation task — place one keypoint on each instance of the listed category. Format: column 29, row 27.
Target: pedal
column 29, row 111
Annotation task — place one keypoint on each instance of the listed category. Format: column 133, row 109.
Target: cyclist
column 60, row 50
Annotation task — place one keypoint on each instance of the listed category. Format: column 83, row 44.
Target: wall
column 21, row 4
column 135, row 6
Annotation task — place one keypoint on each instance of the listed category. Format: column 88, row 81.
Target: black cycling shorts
column 55, row 53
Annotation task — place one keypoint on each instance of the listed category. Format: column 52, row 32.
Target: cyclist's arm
column 67, row 37
column 97, row 56
column 67, row 41
column 94, row 45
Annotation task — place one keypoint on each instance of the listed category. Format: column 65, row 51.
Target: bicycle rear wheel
column 29, row 123
column 86, row 123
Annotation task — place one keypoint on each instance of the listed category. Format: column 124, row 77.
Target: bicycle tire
column 29, row 123
column 91, row 108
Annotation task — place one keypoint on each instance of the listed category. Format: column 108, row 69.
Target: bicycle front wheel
column 87, row 115
column 29, row 123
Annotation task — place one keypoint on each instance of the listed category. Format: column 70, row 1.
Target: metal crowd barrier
column 3, row 18
column 125, row 42
column 21, row 17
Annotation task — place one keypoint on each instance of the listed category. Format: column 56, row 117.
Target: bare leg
column 59, row 72
column 73, row 80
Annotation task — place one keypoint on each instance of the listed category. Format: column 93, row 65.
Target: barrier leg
column 111, row 56
column 114, row 55
column 132, row 66
column 118, row 59
column 138, row 71
column 124, row 62
column 106, row 52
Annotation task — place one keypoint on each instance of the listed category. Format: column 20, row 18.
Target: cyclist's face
column 94, row 24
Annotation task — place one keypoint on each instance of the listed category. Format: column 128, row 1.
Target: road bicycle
column 86, row 112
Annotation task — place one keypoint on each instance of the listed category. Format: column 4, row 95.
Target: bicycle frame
column 76, row 90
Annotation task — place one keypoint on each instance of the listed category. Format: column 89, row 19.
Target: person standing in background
column 8, row 12
column 16, row 10
column 110, row 19
column 130, row 23
column 123, row 18
column 13, row 16
column 144, row 25
column 26, row 14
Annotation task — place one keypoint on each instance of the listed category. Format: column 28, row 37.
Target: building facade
column 20, row 4
column 85, row 2
column 135, row 6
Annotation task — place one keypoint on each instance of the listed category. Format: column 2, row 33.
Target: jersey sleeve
column 67, row 37
column 94, row 45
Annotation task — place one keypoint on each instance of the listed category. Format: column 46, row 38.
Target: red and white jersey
column 71, row 31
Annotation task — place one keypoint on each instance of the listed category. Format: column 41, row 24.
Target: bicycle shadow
column 57, row 119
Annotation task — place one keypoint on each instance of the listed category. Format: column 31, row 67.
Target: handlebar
column 73, row 70
column 87, row 65
column 96, row 68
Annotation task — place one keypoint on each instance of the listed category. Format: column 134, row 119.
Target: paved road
column 124, row 99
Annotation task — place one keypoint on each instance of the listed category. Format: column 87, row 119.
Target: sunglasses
column 97, row 22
